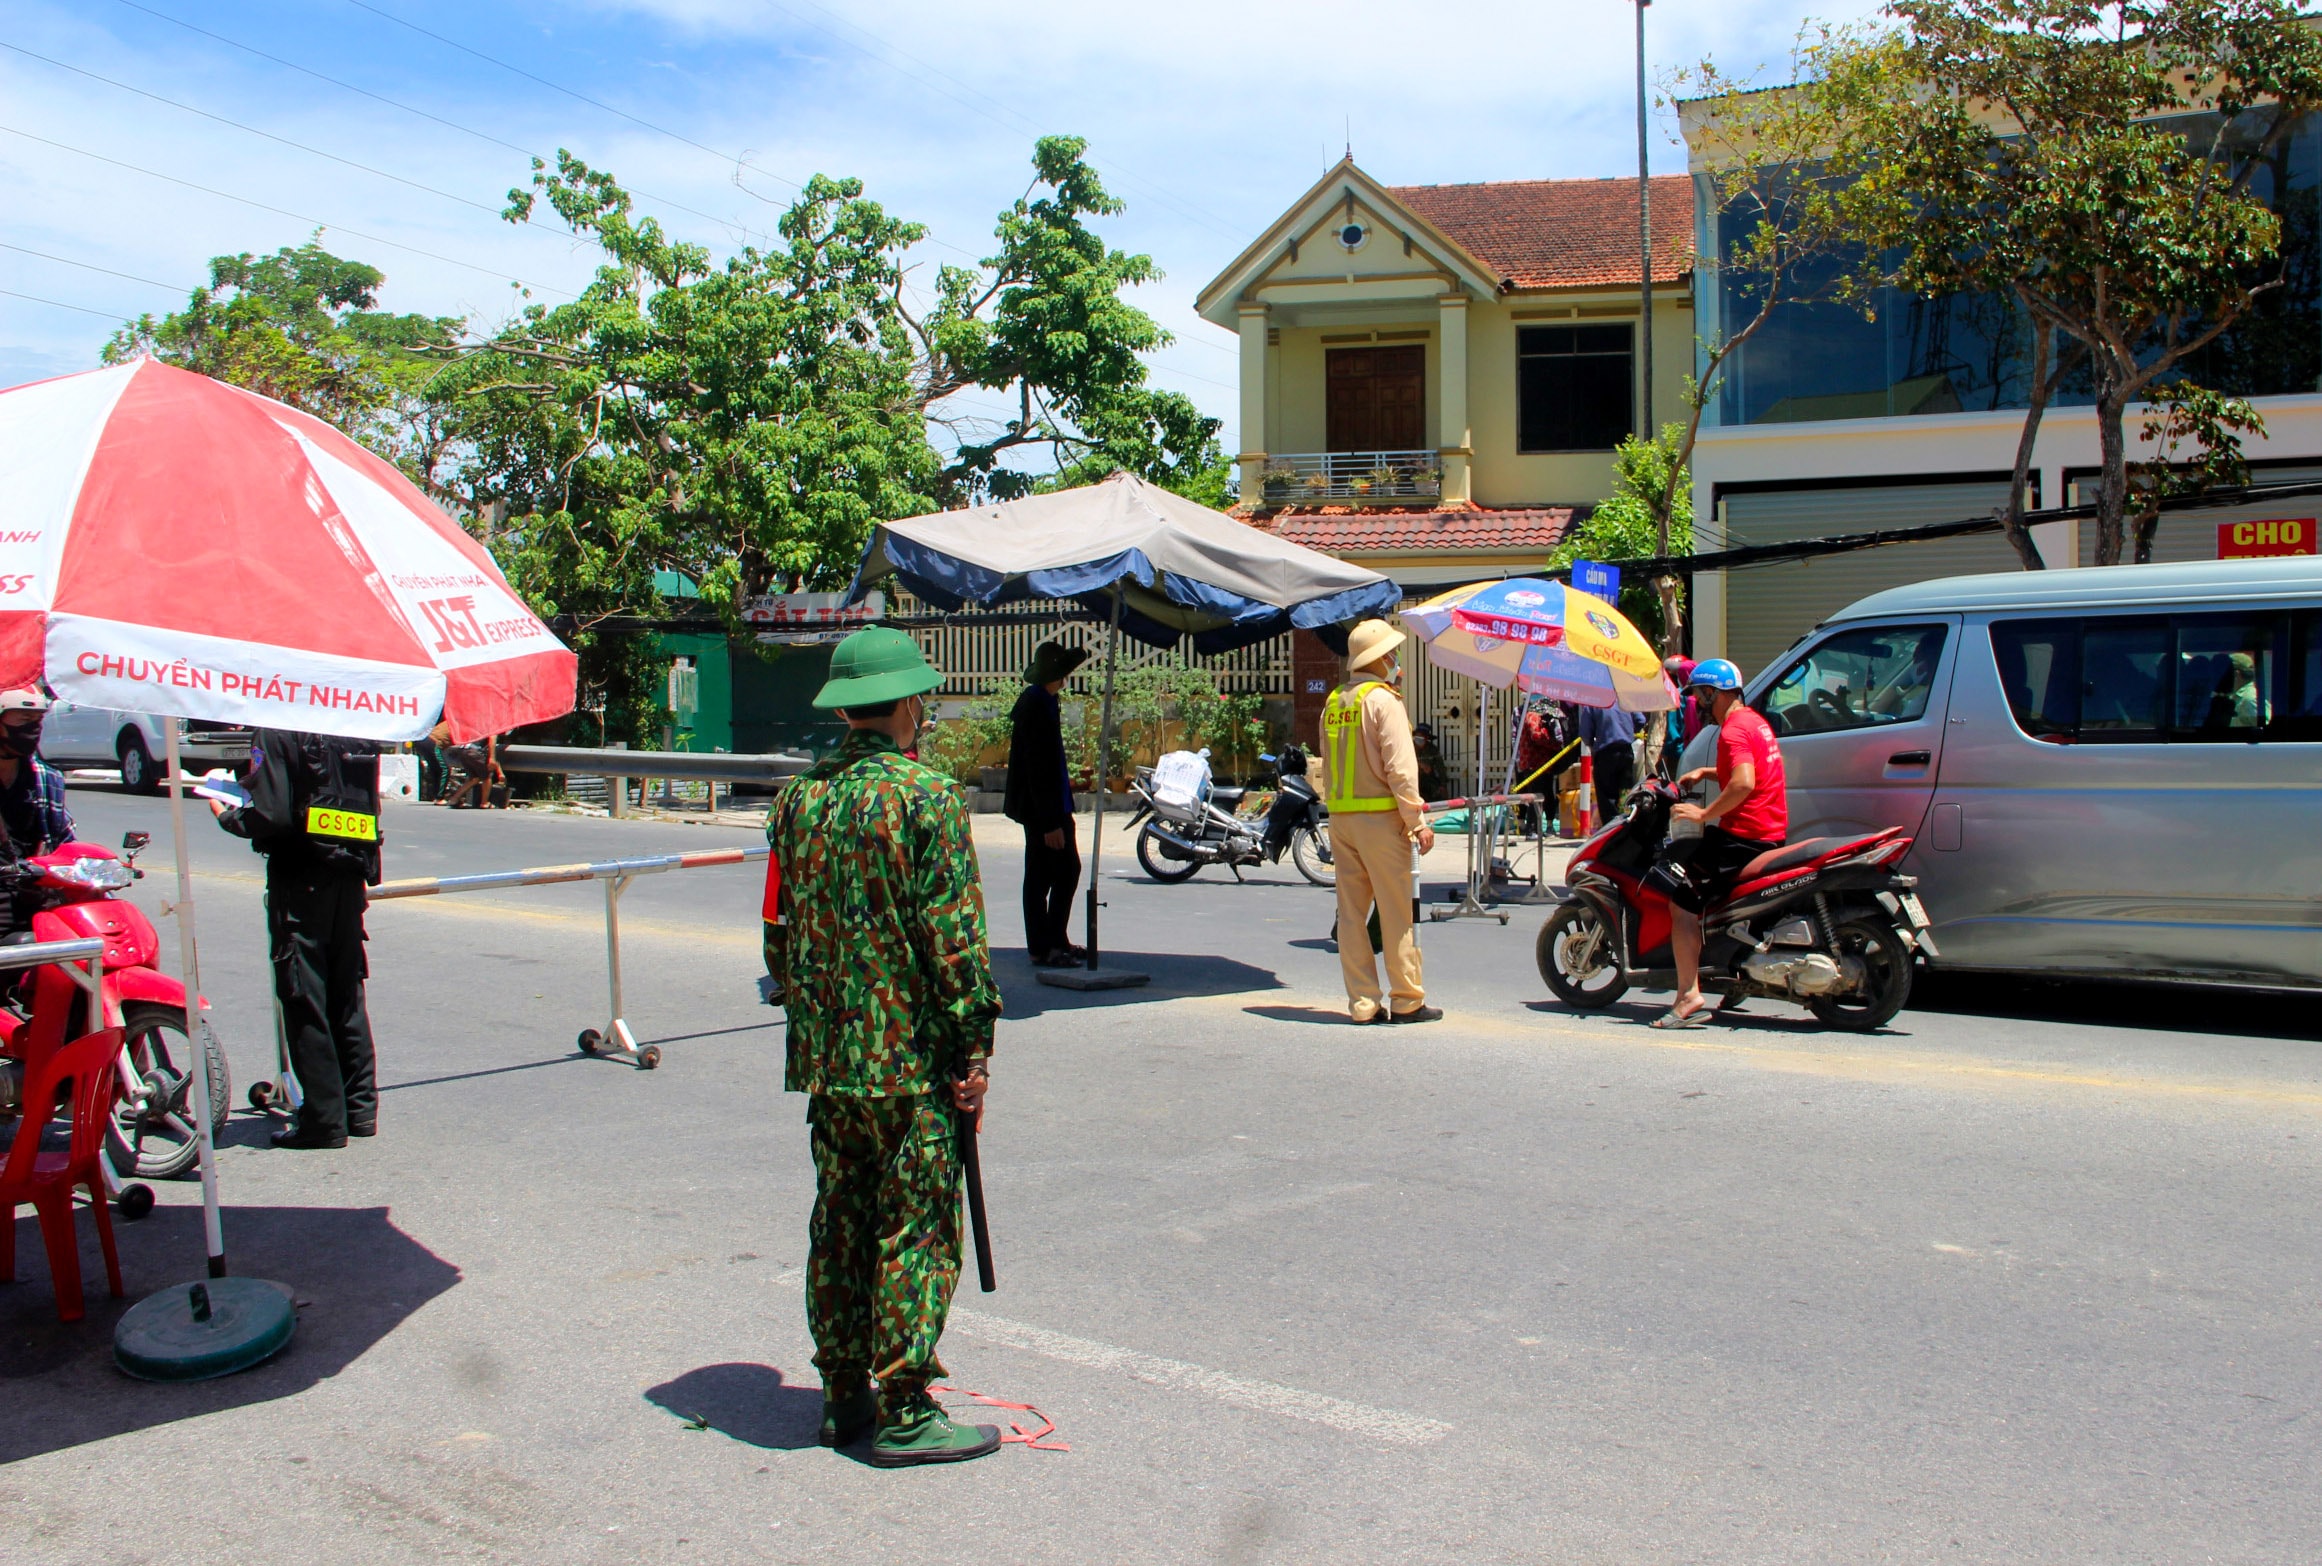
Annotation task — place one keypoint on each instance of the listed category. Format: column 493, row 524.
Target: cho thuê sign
column 2247, row 540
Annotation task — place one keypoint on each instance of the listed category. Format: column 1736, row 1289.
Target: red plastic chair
column 47, row 1180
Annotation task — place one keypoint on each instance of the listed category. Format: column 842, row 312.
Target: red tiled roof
column 1562, row 233
column 1340, row 531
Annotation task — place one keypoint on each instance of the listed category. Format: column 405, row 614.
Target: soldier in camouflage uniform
column 891, row 1002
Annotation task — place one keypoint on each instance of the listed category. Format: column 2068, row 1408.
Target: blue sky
column 1207, row 116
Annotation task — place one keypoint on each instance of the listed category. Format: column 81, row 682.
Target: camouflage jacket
column 882, row 948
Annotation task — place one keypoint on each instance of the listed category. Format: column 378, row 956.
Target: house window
column 1377, row 399
column 1573, row 388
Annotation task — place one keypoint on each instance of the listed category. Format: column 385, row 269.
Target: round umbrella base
column 195, row 1331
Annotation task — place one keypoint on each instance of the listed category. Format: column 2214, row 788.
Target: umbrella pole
column 197, row 1026
column 1096, row 835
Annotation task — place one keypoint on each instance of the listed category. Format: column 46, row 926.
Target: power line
column 253, row 130
column 90, row 266
column 412, row 109
column 227, row 195
column 61, row 305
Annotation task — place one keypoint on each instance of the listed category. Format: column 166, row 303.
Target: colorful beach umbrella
column 1546, row 639
column 171, row 544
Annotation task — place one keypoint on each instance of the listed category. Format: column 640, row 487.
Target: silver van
column 2109, row 772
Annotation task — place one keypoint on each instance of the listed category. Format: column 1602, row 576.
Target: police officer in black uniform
column 314, row 814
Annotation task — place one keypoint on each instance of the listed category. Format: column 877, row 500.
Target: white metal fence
column 977, row 658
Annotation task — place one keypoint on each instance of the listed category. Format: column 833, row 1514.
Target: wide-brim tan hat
column 1372, row 640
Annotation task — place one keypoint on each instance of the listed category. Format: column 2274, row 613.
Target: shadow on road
column 2172, row 1008
column 1300, row 1014
column 1174, row 976
column 356, row 1277
column 750, row 1403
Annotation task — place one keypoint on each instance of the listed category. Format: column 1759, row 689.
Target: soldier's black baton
column 973, row 1164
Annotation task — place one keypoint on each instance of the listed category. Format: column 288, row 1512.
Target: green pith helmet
column 876, row 665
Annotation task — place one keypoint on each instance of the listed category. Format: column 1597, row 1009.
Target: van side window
column 1858, row 679
column 2226, row 673
column 2039, row 668
column 2187, row 679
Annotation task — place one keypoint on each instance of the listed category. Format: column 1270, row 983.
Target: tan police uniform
column 1371, row 783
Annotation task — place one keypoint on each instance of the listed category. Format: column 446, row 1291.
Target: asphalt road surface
column 2028, row 1277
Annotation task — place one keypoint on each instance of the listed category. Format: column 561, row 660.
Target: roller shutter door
column 2192, row 535
column 1769, row 607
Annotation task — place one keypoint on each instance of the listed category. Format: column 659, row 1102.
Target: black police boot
column 308, row 1138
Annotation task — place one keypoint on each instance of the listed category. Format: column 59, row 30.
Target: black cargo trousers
column 314, row 928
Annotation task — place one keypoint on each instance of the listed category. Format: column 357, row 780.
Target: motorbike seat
column 1790, row 856
column 1226, row 798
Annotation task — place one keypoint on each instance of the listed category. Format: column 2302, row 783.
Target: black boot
column 309, row 1138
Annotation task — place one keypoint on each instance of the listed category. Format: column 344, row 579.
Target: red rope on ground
column 1033, row 1439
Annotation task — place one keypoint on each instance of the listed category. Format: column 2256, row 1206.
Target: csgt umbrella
column 1149, row 562
column 1543, row 638
column 173, row 545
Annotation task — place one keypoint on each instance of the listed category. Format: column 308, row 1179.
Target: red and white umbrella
column 172, row 544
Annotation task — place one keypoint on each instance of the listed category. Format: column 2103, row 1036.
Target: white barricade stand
column 614, row 1039
column 1482, row 853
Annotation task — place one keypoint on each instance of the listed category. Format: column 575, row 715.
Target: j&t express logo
column 1526, row 600
column 1606, row 626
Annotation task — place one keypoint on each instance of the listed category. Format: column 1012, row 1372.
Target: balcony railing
column 1315, row 477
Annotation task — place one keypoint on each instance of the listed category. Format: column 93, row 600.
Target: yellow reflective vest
column 1342, row 733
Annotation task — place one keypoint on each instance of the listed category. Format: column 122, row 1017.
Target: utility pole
column 1644, row 234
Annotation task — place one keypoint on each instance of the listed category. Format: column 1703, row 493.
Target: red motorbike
column 78, row 887
column 1826, row 922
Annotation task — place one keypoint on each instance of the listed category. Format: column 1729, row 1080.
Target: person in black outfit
column 314, row 814
column 1039, row 800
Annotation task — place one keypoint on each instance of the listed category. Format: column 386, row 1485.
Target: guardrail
column 1293, row 478
column 614, row 1039
column 618, row 766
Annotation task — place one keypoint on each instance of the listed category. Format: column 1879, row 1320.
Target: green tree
column 2093, row 163
column 1649, row 512
column 301, row 326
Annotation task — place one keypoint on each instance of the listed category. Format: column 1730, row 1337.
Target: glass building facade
column 1962, row 353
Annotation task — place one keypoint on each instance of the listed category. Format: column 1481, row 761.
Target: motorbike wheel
column 1579, row 959
column 1157, row 865
column 164, row 1144
column 1887, row 976
column 1310, row 852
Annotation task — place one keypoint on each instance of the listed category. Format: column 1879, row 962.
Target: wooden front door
column 1377, row 399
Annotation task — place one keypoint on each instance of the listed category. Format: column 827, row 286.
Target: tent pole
column 197, row 1028
column 1096, row 835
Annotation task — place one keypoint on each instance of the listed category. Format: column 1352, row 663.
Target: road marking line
column 1265, row 1397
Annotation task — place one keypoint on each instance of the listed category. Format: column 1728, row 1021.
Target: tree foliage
column 2094, row 163
column 1632, row 524
column 301, row 326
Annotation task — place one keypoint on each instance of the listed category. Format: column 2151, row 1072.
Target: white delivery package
column 1181, row 783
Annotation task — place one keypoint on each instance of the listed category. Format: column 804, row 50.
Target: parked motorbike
column 77, row 887
column 1177, row 840
column 1826, row 921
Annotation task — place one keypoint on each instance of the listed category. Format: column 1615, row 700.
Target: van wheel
column 1580, row 959
column 1886, row 963
column 138, row 773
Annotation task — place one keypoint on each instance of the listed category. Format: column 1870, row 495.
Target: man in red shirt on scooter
column 1749, row 816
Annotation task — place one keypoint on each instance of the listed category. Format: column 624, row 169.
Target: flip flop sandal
column 1673, row 1018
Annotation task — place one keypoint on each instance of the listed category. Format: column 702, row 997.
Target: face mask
column 19, row 740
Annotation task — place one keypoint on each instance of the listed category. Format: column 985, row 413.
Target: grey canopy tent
column 1149, row 563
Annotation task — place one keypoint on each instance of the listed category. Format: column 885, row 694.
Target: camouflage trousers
column 883, row 1248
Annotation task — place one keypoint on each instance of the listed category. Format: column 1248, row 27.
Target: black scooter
column 1173, row 846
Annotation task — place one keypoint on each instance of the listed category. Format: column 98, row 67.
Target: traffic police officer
column 1371, row 783
column 314, row 814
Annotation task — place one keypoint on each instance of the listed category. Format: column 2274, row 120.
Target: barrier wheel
column 649, row 1057
column 261, row 1096
column 589, row 1040
column 134, row 1202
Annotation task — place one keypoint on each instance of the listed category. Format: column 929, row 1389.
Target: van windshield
column 1858, row 679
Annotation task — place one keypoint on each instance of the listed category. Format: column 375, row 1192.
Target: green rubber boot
column 921, row 1432
column 850, row 1409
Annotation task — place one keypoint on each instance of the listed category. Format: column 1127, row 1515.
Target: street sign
column 811, row 617
column 2246, row 540
column 1601, row 581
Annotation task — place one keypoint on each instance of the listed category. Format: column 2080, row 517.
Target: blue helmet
column 1717, row 674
